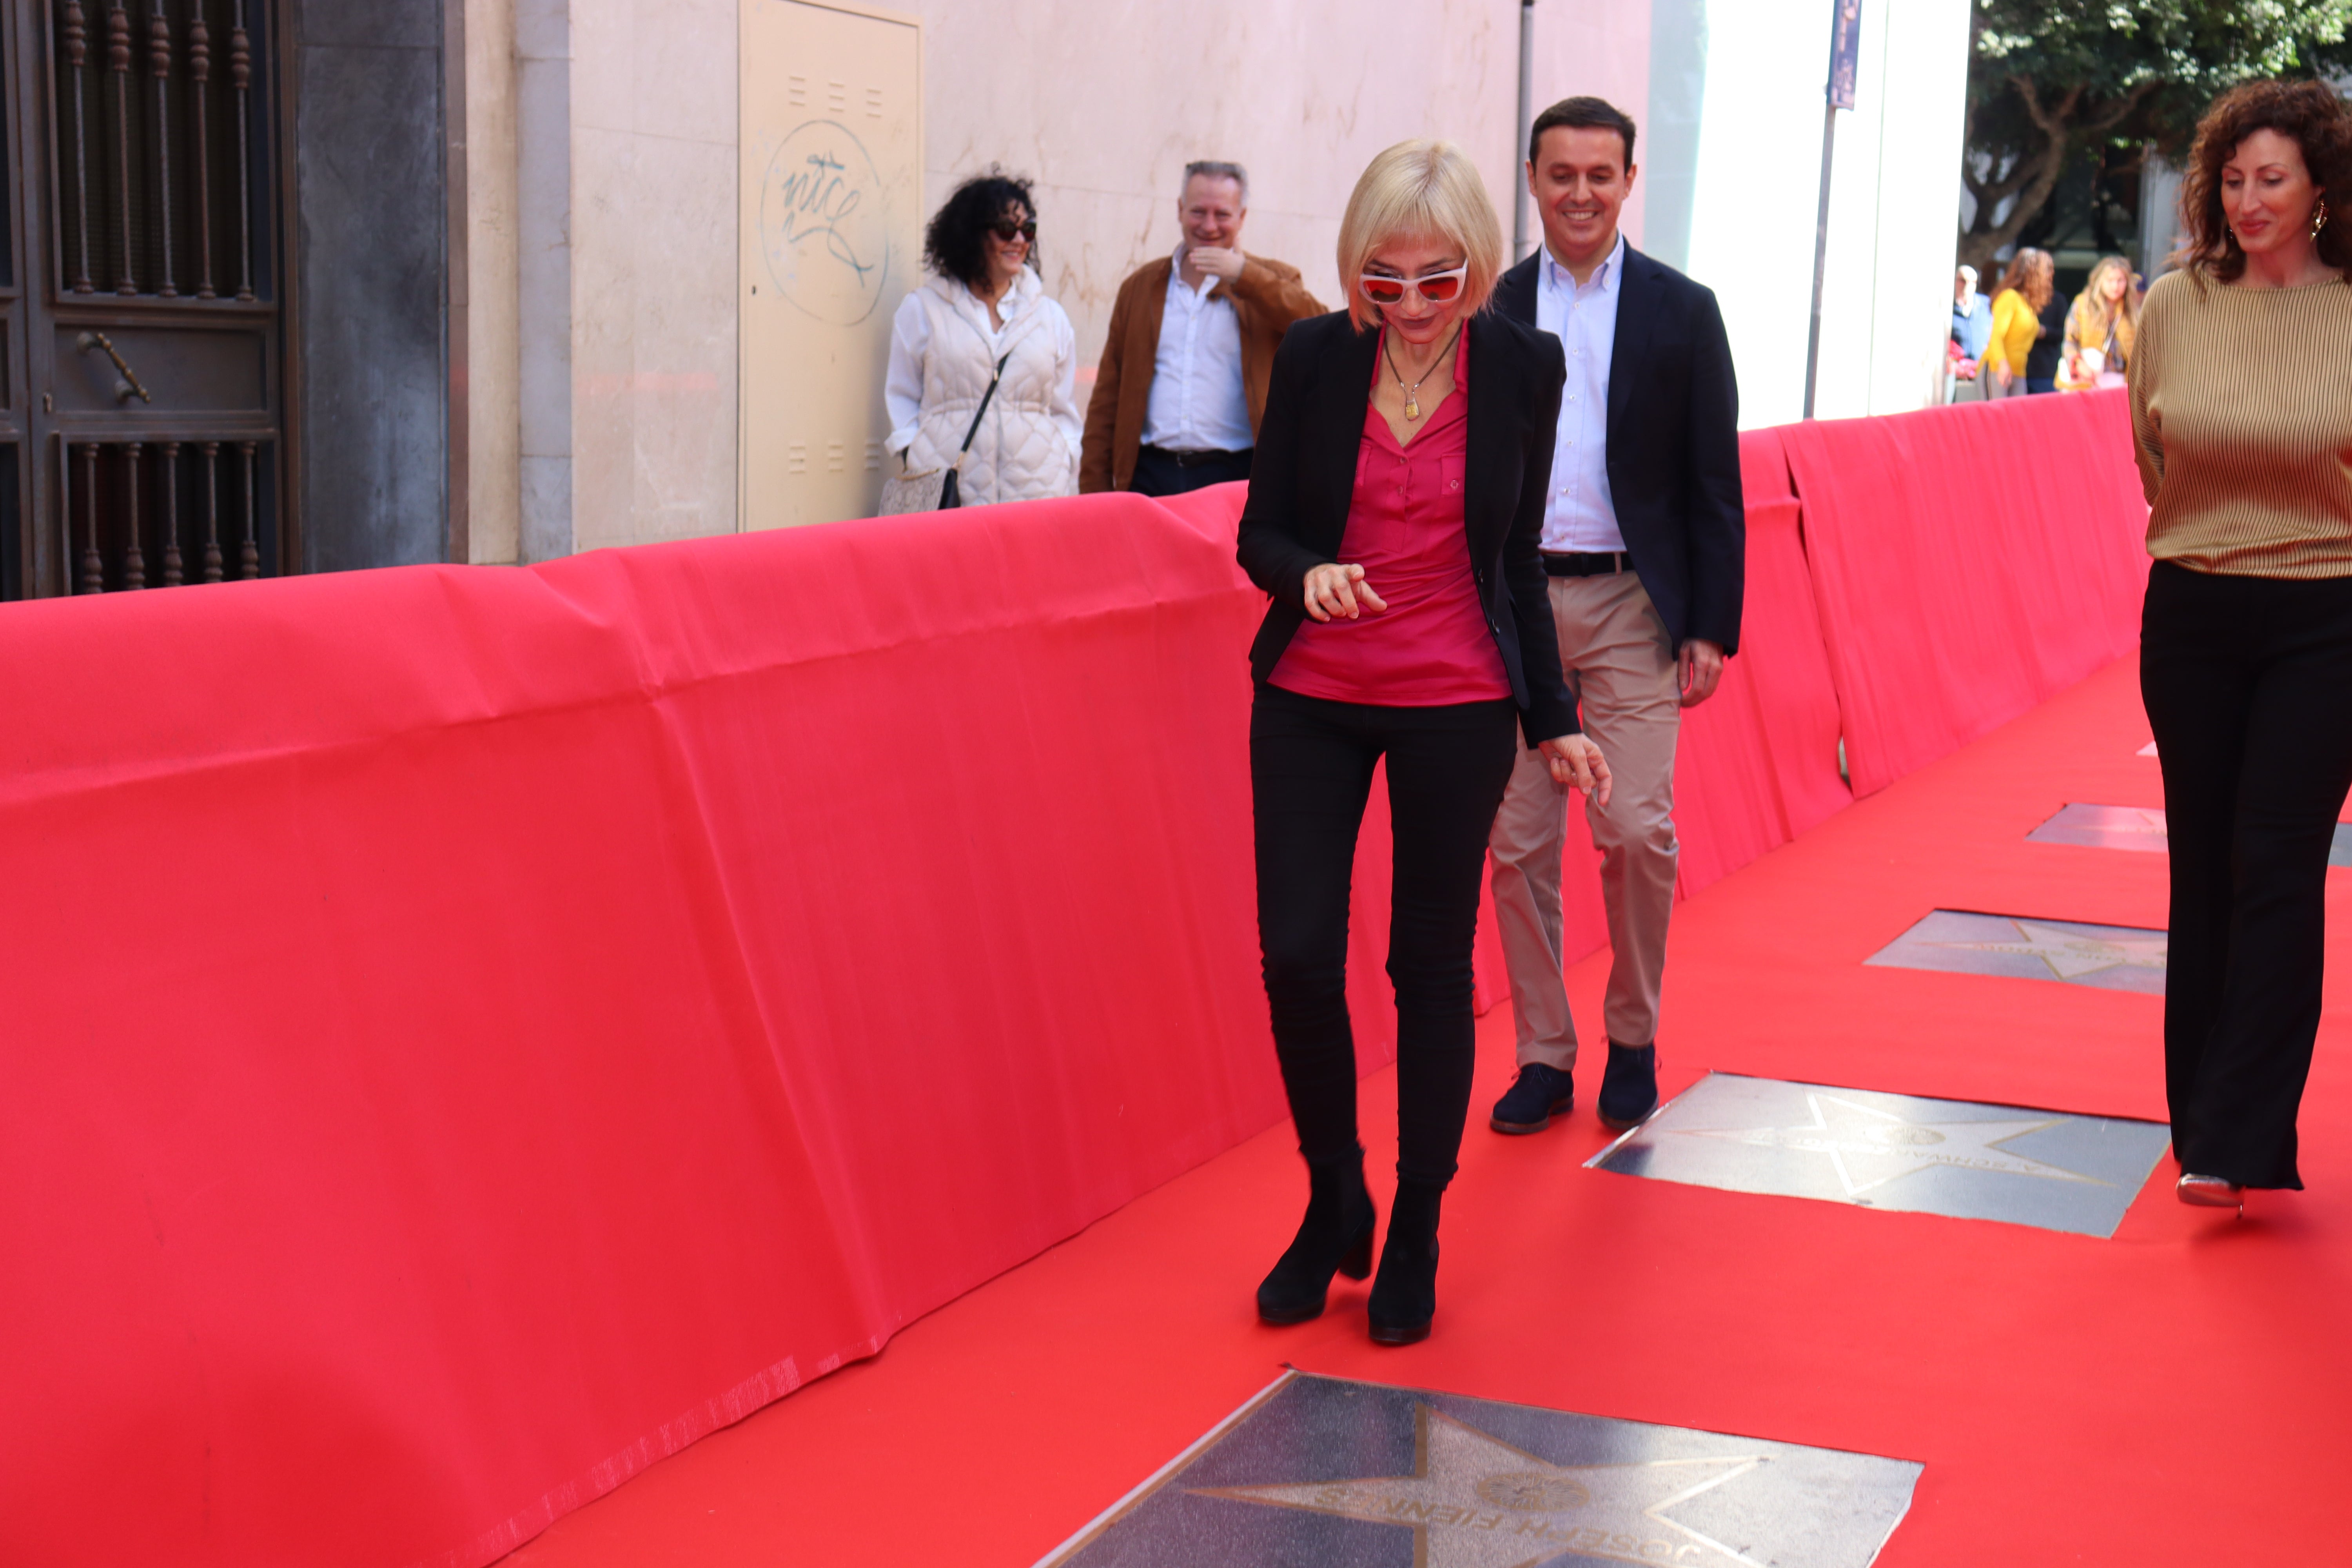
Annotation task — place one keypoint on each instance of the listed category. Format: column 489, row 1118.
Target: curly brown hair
column 2309, row 113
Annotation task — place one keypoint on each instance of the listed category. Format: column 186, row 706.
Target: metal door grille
column 141, row 310
column 12, row 541
column 158, row 514
column 157, row 154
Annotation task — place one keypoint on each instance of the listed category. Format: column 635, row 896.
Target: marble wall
column 1756, row 191
column 616, row 310
column 600, row 329
column 1302, row 94
column 1894, row 217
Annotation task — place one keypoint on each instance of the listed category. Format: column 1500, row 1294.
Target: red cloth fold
column 1758, row 761
column 1969, row 561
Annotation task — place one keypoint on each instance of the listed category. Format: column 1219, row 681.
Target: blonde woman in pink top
column 1395, row 510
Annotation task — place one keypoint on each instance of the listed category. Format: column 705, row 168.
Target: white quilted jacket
column 1027, row 443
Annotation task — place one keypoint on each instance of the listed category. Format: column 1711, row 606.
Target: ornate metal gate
column 144, row 438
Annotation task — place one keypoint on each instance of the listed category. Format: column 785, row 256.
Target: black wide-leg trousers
column 2248, row 685
column 1310, row 773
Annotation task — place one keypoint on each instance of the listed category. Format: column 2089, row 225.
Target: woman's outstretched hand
column 1337, row 590
column 1577, row 763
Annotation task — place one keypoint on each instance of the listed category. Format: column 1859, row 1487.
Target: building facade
column 504, row 296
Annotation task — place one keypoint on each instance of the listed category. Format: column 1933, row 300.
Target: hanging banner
column 1845, row 47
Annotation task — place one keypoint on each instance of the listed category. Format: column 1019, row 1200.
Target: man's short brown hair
column 1581, row 114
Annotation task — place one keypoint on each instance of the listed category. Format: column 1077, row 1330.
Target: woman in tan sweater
column 2242, row 408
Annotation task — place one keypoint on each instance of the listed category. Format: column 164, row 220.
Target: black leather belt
column 1585, row 562
column 1200, row 459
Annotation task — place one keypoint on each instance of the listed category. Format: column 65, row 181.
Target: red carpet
column 2179, row 1395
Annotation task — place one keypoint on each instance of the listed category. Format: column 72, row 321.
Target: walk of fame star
column 1476, row 1502
column 2069, row 954
column 1871, row 1147
column 2112, row 818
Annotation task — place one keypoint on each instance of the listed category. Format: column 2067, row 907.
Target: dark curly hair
column 2309, row 113
column 954, row 245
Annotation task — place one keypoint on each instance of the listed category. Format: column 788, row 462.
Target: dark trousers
column 1310, row 773
column 2248, row 683
column 1157, row 473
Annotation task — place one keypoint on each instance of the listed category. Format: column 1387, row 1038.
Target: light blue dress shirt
column 1580, row 515
column 1198, row 402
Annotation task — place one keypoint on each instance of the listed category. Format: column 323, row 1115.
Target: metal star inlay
column 1476, row 1502
column 2068, row 955
column 1870, row 1147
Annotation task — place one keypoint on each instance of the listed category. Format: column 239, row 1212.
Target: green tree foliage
column 2052, row 80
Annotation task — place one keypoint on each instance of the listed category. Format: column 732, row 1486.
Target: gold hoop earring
column 2319, row 217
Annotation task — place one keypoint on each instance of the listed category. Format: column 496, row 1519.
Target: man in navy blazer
column 1644, row 547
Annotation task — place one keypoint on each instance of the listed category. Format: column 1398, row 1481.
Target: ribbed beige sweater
column 2241, row 415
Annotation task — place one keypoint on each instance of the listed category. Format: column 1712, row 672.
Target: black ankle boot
column 1404, row 1297
column 1336, row 1237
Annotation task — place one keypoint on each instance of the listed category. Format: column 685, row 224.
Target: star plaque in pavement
column 2070, row 954
column 2138, row 827
column 1474, row 1501
column 2026, row 947
column 1971, row 1160
column 1340, row 1474
column 1870, row 1147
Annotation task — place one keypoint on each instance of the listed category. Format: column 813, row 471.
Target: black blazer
column 1303, row 480
column 1673, row 443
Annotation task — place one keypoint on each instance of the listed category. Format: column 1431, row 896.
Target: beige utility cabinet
column 832, row 151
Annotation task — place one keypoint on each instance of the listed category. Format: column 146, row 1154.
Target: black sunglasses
column 1008, row 232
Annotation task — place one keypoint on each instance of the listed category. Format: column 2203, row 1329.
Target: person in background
column 2241, row 416
column 2049, row 339
column 1393, row 516
column 1644, row 545
column 2099, row 329
column 1971, row 331
column 2026, row 289
column 983, row 367
column 1181, row 385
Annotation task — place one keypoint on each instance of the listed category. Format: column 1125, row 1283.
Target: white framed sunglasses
column 1437, row 288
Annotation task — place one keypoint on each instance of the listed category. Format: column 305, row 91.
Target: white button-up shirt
column 1579, row 514
column 1198, row 402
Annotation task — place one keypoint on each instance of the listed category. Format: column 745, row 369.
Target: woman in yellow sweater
column 2017, row 306
column 2241, row 413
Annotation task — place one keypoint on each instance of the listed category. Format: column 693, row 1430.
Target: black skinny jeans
column 2248, row 685
column 1310, row 773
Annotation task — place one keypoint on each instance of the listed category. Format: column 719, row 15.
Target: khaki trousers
column 1621, row 668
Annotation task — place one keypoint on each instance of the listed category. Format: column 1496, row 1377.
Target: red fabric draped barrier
column 1757, row 763
column 474, row 1032
column 1969, row 562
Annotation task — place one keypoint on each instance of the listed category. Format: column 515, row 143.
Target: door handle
column 126, row 387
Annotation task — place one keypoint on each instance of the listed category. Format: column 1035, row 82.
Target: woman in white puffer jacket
column 983, row 304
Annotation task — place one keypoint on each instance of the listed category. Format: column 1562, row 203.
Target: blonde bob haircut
column 1424, row 188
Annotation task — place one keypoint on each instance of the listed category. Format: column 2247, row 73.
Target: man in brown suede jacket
column 1182, row 381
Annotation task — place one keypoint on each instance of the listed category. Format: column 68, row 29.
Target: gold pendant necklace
column 1412, row 392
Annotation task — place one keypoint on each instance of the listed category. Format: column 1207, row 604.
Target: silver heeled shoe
column 2210, row 1192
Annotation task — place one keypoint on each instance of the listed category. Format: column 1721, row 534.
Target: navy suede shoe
column 1541, row 1093
column 1629, row 1085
